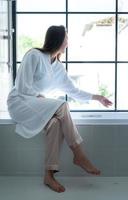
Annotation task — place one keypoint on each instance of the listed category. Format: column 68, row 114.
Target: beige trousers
column 59, row 127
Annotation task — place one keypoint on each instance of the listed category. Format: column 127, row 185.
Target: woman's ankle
column 49, row 173
column 77, row 151
column 75, row 148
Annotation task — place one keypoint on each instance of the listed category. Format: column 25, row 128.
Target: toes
column 59, row 188
column 62, row 189
column 87, row 166
column 96, row 172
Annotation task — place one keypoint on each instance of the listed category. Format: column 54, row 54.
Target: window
column 5, row 54
column 97, row 55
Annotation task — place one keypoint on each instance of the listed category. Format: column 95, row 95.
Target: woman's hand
column 103, row 100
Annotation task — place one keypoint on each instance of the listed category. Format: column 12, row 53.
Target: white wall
column 106, row 146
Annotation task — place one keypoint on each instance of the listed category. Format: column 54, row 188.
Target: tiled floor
column 77, row 188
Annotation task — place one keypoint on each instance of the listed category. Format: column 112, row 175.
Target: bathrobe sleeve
column 70, row 89
column 25, row 76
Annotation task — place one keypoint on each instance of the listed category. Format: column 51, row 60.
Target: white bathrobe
column 36, row 75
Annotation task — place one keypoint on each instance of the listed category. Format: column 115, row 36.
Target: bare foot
column 52, row 183
column 86, row 165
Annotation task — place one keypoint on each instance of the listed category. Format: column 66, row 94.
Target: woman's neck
column 53, row 57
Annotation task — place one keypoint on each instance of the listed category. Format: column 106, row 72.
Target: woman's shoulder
column 34, row 54
column 35, row 51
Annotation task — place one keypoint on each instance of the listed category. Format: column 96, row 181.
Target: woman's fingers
column 106, row 102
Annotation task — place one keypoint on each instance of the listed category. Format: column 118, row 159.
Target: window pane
column 123, row 5
column 91, row 37
column 5, row 83
column 122, row 94
column 41, row 5
column 4, row 73
column 3, row 31
column 122, row 37
column 91, row 5
column 29, row 36
column 94, row 78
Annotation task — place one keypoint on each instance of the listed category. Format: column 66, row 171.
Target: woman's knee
column 53, row 122
column 65, row 106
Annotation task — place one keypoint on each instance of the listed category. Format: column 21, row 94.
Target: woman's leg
column 59, row 127
column 53, row 142
column 74, row 140
column 69, row 129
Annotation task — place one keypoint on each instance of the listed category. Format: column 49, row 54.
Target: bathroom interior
column 104, row 132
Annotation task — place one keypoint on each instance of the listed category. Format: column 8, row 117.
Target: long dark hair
column 53, row 39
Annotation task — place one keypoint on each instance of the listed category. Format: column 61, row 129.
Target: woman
column 40, row 72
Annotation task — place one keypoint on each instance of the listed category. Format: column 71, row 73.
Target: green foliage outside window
column 103, row 90
column 25, row 43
